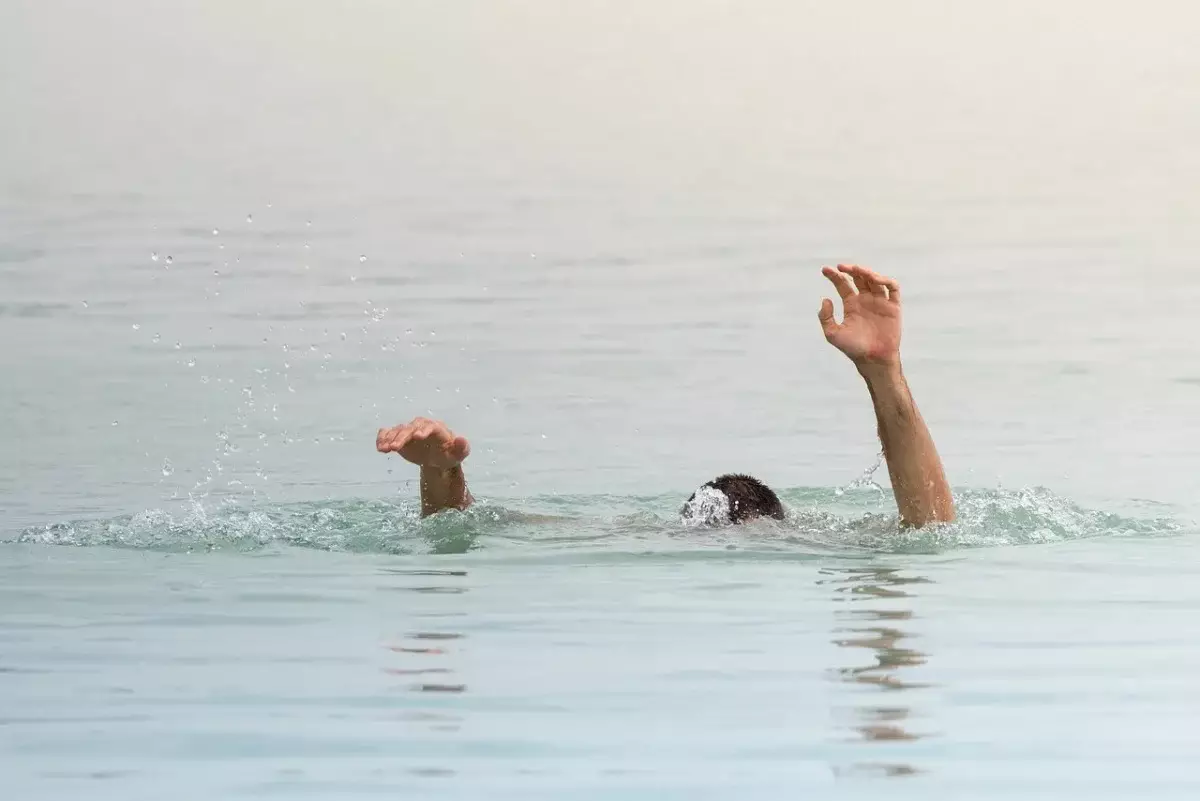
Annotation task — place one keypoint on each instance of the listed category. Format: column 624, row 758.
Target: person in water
column 869, row 335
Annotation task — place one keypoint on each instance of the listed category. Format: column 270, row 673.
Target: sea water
column 237, row 238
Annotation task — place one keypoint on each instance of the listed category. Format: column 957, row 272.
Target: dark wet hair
column 748, row 497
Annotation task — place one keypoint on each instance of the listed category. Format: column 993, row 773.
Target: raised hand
column 424, row 442
column 870, row 329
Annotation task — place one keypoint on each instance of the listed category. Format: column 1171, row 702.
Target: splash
column 821, row 521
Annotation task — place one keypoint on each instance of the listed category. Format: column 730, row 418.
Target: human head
column 731, row 498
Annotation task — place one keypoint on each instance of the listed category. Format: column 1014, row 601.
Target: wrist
column 442, row 473
column 876, row 371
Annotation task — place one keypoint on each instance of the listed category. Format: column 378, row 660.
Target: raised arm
column 439, row 453
column 870, row 335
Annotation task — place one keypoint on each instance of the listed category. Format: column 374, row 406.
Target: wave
column 821, row 521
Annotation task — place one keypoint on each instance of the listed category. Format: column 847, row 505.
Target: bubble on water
column 216, row 272
column 156, row 339
column 433, row 333
column 362, row 258
column 85, row 303
column 191, row 362
column 170, row 260
column 307, row 246
column 284, row 346
column 312, row 348
column 115, row 423
column 178, row 346
column 343, row 336
column 268, row 205
column 153, row 256
column 533, row 255
column 137, row 327
column 543, row 436
column 167, row 468
column 308, row 223
column 215, row 232
column 408, row 332
column 249, row 218
column 203, row 379
column 353, row 278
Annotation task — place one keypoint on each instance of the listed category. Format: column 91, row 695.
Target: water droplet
column 249, row 218
column 203, row 379
column 362, row 259
column 543, row 436
column 268, row 205
column 353, row 278
column 215, row 232
column 156, row 339
column 312, row 348
column 433, row 333
column 285, row 347
column 307, row 246
column 408, row 331
column 154, row 256
column 137, row 327
column 308, row 224
column 115, row 423
column 167, row 469
column 343, row 336
column 170, row 260
column 533, row 255
column 191, row 363
column 178, row 346
column 85, row 303
column 216, row 272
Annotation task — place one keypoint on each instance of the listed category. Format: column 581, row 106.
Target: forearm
column 443, row 489
column 918, row 478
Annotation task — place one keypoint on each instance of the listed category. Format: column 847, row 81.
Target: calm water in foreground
column 236, row 238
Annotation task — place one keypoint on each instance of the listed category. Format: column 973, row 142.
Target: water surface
column 236, row 238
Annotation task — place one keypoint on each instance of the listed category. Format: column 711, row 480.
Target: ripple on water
column 821, row 522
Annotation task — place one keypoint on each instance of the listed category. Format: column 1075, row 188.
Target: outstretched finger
column 427, row 429
column 825, row 315
column 861, row 279
column 893, row 287
column 845, row 287
column 400, row 435
column 867, row 280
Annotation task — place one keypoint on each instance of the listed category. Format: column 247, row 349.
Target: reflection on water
column 418, row 647
column 879, row 628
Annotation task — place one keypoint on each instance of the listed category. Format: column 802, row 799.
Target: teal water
column 237, row 238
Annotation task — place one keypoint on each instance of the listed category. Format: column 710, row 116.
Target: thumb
column 825, row 315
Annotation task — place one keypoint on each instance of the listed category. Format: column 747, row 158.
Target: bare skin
column 439, row 452
column 869, row 335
